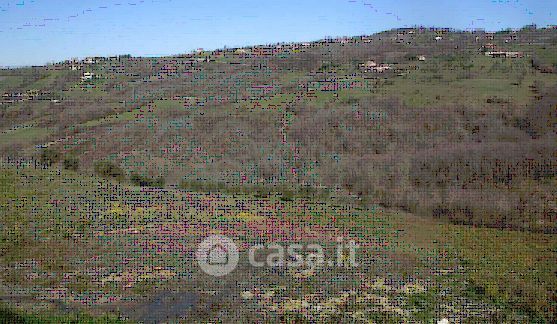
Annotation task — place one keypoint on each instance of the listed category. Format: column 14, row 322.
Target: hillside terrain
column 434, row 149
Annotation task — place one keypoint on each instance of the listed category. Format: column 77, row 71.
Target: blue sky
column 41, row 31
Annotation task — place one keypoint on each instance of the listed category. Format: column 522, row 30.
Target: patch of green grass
column 513, row 268
column 423, row 306
column 116, row 118
column 24, row 135
column 279, row 100
column 47, row 81
column 289, row 78
column 159, row 107
column 548, row 55
column 10, row 82
column 441, row 82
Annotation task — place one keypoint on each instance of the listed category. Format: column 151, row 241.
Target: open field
column 70, row 242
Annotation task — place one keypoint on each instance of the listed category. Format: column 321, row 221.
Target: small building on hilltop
column 240, row 51
column 87, row 76
column 489, row 46
column 368, row 65
column 372, row 66
column 504, row 54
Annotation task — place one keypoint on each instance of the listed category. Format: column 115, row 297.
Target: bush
column 50, row 156
column 287, row 195
column 8, row 315
column 108, row 169
column 261, row 191
column 71, row 163
column 144, row 181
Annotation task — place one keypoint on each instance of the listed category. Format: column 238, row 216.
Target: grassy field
column 25, row 135
column 99, row 247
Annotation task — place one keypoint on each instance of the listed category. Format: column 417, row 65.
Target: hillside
column 309, row 115
column 441, row 143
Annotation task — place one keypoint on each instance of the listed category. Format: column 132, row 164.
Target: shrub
column 144, row 181
column 197, row 185
column 71, row 163
column 49, row 156
column 261, row 191
column 108, row 169
column 287, row 195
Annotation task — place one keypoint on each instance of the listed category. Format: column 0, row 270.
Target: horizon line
column 225, row 47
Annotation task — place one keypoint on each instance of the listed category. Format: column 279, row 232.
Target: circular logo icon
column 217, row 255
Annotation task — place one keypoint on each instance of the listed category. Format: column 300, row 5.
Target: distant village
column 116, row 64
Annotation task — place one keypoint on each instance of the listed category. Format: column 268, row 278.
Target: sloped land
column 85, row 245
column 443, row 170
